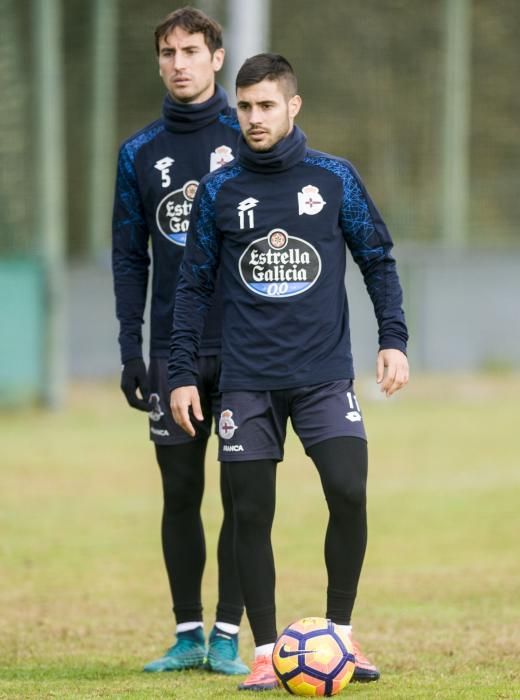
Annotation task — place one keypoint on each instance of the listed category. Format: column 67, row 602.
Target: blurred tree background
column 418, row 94
column 371, row 75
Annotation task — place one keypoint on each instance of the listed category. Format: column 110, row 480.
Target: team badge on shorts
column 226, row 425
column 219, row 157
column 173, row 213
column 156, row 413
column 279, row 265
column 310, row 201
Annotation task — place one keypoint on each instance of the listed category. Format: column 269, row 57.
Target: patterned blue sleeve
column 229, row 118
column 195, row 288
column 130, row 258
column 370, row 243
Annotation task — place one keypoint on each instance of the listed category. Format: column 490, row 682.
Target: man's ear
column 218, row 59
column 295, row 104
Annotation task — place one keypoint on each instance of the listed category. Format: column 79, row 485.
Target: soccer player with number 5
column 274, row 226
column 158, row 173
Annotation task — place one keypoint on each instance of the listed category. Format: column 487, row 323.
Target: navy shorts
column 163, row 429
column 253, row 424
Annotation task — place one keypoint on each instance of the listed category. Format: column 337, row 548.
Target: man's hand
column 392, row 370
column 133, row 377
column 181, row 400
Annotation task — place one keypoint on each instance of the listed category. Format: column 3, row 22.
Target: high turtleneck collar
column 183, row 118
column 284, row 154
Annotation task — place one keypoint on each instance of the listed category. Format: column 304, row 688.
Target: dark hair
column 267, row 66
column 192, row 21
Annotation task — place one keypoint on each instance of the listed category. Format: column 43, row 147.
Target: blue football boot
column 223, row 654
column 188, row 652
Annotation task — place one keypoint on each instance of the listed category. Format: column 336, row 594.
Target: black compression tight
column 230, row 604
column 184, row 548
column 342, row 465
column 253, row 485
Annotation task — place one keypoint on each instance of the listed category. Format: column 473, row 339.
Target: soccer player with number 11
column 273, row 225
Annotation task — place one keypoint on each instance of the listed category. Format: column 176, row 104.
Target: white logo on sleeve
column 226, row 425
column 310, row 201
column 247, row 205
column 219, row 157
column 164, row 165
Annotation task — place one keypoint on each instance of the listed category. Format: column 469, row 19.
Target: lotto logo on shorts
column 354, row 415
column 226, row 425
column 155, row 412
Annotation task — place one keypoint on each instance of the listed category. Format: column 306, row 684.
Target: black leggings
column 342, row 464
column 184, row 547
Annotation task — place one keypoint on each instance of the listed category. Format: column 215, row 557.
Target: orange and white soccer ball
column 313, row 658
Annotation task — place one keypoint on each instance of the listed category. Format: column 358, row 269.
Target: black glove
column 133, row 377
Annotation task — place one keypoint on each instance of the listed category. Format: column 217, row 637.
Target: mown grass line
column 83, row 593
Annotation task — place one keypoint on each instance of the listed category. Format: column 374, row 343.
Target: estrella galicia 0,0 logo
column 279, row 265
column 173, row 213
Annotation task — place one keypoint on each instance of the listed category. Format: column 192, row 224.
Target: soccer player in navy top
column 159, row 170
column 273, row 224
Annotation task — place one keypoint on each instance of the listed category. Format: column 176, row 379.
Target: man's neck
column 199, row 99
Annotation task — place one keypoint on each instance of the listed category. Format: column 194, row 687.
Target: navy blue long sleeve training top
column 159, row 169
column 276, row 224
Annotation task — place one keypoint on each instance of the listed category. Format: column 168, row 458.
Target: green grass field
column 83, row 594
